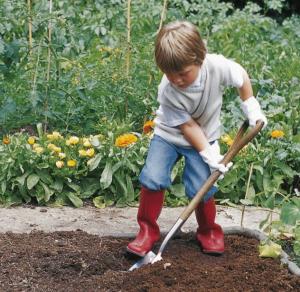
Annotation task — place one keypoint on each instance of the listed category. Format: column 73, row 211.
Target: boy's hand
column 253, row 112
column 212, row 156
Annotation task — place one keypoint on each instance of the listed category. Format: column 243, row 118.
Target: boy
column 188, row 125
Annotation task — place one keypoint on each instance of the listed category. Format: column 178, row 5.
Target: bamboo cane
column 48, row 64
column 163, row 14
column 29, row 27
column 128, row 38
column 247, row 191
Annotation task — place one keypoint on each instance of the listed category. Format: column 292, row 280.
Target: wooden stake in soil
column 247, row 191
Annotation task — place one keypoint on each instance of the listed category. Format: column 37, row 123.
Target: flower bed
column 77, row 261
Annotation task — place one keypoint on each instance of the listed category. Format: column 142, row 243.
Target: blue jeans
column 161, row 158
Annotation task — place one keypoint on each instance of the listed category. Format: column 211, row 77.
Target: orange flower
column 277, row 134
column 5, row 140
column 125, row 140
column 148, row 127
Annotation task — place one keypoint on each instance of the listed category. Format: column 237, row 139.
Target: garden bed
column 77, row 261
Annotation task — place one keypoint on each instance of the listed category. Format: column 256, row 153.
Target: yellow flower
column 50, row 137
column 90, row 152
column 82, row 153
column 277, row 134
column 61, row 155
column 86, row 142
column 227, row 139
column 51, row 146
column 148, row 127
column 71, row 163
column 72, row 140
column 39, row 150
column 35, row 145
column 54, row 136
column 6, row 140
column 125, row 140
column 57, row 149
column 59, row 164
column 31, row 140
column 57, row 135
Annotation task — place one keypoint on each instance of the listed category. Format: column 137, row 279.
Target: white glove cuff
column 250, row 105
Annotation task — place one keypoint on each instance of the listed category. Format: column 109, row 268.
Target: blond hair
column 178, row 44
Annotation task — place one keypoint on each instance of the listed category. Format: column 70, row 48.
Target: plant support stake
column 48, row 65
column 29, row 27
column 163, row 14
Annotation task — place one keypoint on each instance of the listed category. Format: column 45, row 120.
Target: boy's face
column 184, row 78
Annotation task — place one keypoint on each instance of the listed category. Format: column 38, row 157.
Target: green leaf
column 99, row 202
column 44, row 176
column 48, row 192
column 287, row 170
column 106, row 176
column 77, row 202
column 270, row 250
column 122, row 183
column 21, row 179
column 270, row 202
column 3, row 187
column 267, row 183
column 296, row 138
column 290, row 213
column 130, row 189
column 132, row 167
column 32, row 180
column 259, row 168
column 57, row 185
column 250, row 193
column 178, row 190
column 94, row 162
column 24, row 194
column 74, row 186
column 296, row 248
column 121, row 203
column 296, row 201
column 89, row 187
column 246, row 202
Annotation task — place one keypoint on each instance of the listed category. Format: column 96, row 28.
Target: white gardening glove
column 253, row 112
column 212, row 156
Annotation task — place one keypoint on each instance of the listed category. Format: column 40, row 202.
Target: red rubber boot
column 151, row 203
column 209, row 234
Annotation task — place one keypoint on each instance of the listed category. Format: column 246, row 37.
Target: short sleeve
column 172, row 117
column 232, row 72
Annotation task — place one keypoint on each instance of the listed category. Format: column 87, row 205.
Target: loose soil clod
column 77, row 261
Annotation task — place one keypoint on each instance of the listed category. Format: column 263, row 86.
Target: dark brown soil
column 77, row 261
